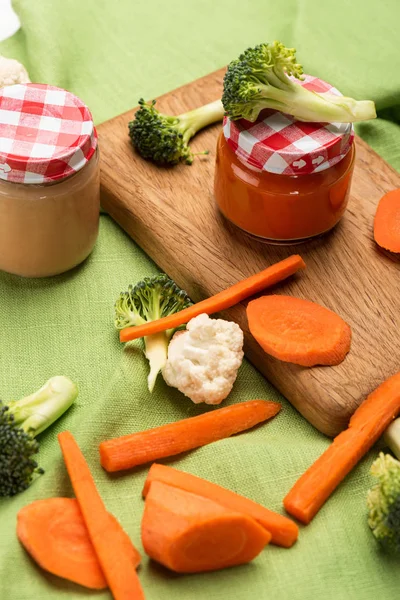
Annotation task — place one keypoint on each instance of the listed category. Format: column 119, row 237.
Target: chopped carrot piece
column 366, row 425
column 55, row 535
column 110, row 547
column 284, row 531
column 150, row 445
column 298, row 331
column 192, row 534
column 387, row 222
column 221, row 301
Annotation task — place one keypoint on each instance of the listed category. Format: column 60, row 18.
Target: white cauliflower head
column 203, row 360
column 12, row 72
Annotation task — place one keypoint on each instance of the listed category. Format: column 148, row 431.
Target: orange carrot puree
column 281, row 207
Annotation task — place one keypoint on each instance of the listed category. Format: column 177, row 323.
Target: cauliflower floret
column 203, row 360
column 11, row 72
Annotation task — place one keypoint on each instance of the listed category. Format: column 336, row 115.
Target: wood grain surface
column 172, row 215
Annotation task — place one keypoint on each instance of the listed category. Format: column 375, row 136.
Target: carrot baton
column 284, row 532
column 298, row 331
column 192, row 534
column 366, row 425
column 116, row 563
column 221, row 301
column 168, row 440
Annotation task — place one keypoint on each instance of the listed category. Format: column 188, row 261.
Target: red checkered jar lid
column 46, row 134
column 277, row 143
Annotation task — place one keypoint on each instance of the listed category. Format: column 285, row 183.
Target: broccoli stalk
column 20, row 422
column 392, row 437
column 164, row 139
column 259, row 79
column 149, row 300
column 383, row 502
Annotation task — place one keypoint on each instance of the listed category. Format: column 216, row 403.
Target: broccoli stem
column 194, row 120
column 310, row 106
column 38, row 411
column 156, row 346
column 392, row 437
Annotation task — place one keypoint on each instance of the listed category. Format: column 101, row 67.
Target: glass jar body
column 281, row 208
column 50, row 228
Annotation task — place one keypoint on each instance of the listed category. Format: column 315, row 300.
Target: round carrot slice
column 387, row 222
column 298, row 331
column 54, row 533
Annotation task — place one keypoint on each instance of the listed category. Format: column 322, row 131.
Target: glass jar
column 281, row 208
column 49, row 181
column 282, row 180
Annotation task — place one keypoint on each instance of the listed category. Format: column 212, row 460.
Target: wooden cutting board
column 171, row 214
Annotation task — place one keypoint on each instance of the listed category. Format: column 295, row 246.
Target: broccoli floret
column 164, row 139
column 149, row 300
column 384, row 502
column 259, row 79
column 20, row 422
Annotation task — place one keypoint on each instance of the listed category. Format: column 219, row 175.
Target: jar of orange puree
column 282, row 180
column 49, row 180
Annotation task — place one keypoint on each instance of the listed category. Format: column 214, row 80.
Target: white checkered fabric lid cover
column 46, row 134
column 279, row 144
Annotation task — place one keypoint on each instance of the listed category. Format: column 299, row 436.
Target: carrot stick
column 225, row 299
column 150, row 445
column 55, row 535
column 191, row 534
column 115, row 561
column 298, row 331
column 387, row 222
column 284, row 531
column 366, row 425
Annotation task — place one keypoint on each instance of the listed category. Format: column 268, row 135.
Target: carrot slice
column 192, row 534
column 298, row 331
column 146, row 446
column 284, row 531
column 225, row 299
column 366, row 425
column 387, row 222
column 55, row 535
column 115, row 561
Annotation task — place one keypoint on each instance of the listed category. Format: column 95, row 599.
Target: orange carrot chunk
column 284, row 532
column 150, row 445
column 387, row 222
column 55, row 535
column 298, row 331
column 105, row 534
column 225, row 299
column 365, row 427
column 192, row 534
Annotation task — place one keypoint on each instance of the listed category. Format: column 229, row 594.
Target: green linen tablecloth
column 110, row 54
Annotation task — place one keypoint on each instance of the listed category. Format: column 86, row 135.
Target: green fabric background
column 110, row 53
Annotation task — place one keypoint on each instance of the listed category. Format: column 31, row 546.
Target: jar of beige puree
column 49, row 180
